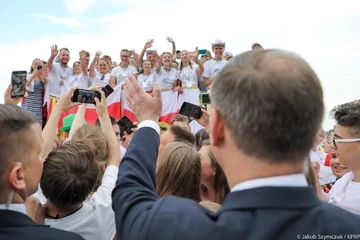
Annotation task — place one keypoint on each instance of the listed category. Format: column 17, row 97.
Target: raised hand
column 149, row 43
column 101, row 106
column 65, row 103
column 82, row 55
column 158, row 58
column 9, row 100
column 144, row 106
column 97, row 55
column 170, row 39
column 134, row 54
column 54, row 50
column 196, row 53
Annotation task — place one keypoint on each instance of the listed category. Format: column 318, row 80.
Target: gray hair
column 272, row 102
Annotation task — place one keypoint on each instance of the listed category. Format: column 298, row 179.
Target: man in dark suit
column 21, row 165
column 267, row 107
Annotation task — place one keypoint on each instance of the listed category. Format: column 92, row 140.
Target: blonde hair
column 211, row 206
column 178, row 171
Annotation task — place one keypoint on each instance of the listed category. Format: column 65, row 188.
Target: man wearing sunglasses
column 346, row 139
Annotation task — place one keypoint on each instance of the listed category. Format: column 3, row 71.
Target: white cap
column 218, row 42
column 228, row 54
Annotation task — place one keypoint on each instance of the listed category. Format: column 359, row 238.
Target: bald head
column 272, row 102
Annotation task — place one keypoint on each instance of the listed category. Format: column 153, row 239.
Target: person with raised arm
column 172, row 41
column 80, row 77
column 102, row 77
column 260, row 137
column 213, row 66
column 58, row 74
column 150, row 55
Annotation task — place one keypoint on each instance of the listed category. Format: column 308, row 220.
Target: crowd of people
column 259, row 166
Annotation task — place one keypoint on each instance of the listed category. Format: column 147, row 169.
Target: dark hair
column 348, row 115
column 182, row 135
column 272, row 103
column 70, row 173
column 200, row 137
column 112, row 119
column 15, row 141
column 66, row 49
column 220, row 184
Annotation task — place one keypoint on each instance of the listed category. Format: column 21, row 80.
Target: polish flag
column 113, row 106
column 170, row 106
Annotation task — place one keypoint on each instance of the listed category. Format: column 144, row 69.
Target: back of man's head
column 348, row 115
column 20, row 136
column 70, row 173
column 182, row 135
column 272, row 103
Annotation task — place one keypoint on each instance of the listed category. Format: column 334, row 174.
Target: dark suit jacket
column 17, row 226
column 259, row 213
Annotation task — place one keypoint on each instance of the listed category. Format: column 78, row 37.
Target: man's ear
column 17, row 177
column 217, row 128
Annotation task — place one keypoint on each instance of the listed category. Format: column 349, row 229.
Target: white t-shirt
column 55, row 75
column 166, row 79
column 100, row 79
column 81, row 81
column 213, row 67
column 345, row 193
column 189, row 75
column 96, row 218
column 146, row 81
column 122, row 73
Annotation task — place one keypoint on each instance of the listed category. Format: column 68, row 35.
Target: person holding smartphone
column 189, row 75
column 36, row 79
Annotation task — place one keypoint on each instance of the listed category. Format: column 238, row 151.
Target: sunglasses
column 349, row 140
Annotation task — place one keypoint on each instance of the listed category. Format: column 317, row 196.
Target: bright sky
column 325, row 33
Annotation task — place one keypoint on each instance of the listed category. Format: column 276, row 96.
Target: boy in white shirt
column 346, row 191
column 69, row 176
column 215, row 65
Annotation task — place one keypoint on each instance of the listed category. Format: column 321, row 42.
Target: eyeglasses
column 349, row 140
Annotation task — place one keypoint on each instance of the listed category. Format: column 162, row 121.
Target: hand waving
column 170, row 39
column 54, row 50
column 144, row 106
column 196, row 53
column 149, row 43
column 97, row 55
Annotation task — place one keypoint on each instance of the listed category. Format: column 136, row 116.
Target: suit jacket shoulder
column 15, row 225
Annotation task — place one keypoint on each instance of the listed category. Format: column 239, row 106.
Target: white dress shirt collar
column 18, row 207
column 294, row 180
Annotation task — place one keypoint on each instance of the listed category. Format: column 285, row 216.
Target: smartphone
column 126, row 124
column 39, row 67
column 107, row 90
column 205, row 98
column 85, row 96
column 18, row 83
column 202, row 51
column 190, row 110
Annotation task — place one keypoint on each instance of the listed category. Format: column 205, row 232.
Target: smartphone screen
column 205, row 98
column 18, row 83
column 202, row 51
column 190, row 110
column 85, row 96
column 126, row 124
column 107, row 90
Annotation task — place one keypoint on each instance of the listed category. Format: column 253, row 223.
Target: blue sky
column 325, row 32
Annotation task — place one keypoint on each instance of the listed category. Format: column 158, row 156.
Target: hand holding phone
column 191, row 110
column 107, row 90
column 126, row 124
column 85, row 96
column 18, row 83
